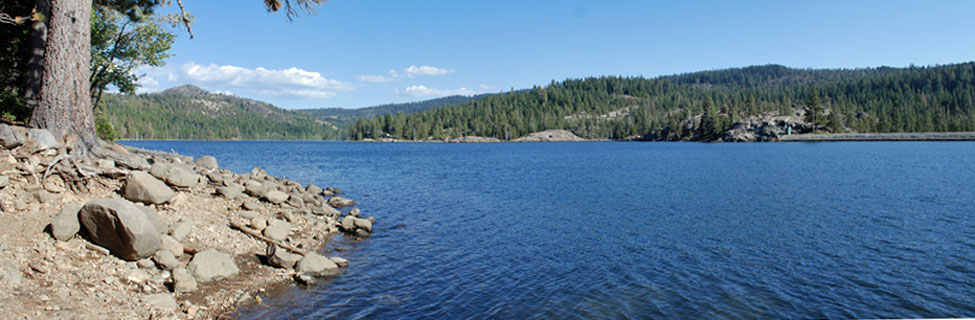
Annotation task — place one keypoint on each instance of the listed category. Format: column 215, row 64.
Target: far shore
column 806, row 137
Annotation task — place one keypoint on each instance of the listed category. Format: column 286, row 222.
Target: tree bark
column 65, row 100
column 35, row 65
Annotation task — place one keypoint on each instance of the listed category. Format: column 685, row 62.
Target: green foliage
column 120, row 43
column 190, row 113
column 916, row 99
column 104, row 127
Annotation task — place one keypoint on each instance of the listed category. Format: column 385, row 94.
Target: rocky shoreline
column 144, row 234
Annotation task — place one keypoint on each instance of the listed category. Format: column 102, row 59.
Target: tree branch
column 186, row 19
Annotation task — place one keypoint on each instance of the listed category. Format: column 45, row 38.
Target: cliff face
column 765, row 127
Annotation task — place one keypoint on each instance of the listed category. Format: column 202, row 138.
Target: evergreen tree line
column 210, row 117
column 913, row 99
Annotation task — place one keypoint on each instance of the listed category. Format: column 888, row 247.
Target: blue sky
column 359, row 53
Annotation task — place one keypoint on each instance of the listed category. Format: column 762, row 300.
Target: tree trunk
column 35, row 65
column 65, row 100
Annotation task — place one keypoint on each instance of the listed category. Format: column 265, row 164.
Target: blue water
column 636, row 230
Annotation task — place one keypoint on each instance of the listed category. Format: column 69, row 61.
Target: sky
column 361, row 53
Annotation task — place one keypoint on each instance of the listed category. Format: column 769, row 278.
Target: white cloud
column 291, row 82
column 423, row 91
column 413, row 71
column 226, row 93
column 375, row 79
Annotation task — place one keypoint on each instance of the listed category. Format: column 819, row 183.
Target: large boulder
column 9, row 137
column 176, row 174
column 281, row 258
column 45, row 140
column 142, row 187
column 121, row 227
column 212, row 265
column 4, row 181
column 206, row 162
column 316, row 264
column 277, row 229
column 65, row 224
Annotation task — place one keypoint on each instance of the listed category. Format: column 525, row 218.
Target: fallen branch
column 255, row 234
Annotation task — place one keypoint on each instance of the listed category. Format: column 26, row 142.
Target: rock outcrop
column 550, row 136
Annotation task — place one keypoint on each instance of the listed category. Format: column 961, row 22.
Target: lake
column 596, row 230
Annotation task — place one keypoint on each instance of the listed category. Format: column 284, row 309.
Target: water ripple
column 634, row 231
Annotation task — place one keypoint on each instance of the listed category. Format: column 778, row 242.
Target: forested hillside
column 345, row 117
column 188, row 112
column 702, row 105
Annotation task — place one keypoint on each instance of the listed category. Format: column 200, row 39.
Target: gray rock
column 231, row 191
column 259, row 223
column 215, row 178
column 254, row 189
column 165, row 260
column 4, row 181
column 313, row 189
column 275, row 196
column 132, row 162
column 160, row 278
column 248, row 214
column 43, row 196
column 348, row 224
column 340, row 202
column 171, row 244
column 181, row 176
column 339, row 261
column 206, row 162
column 251, row 205
column 45, row 140
column 161, row 224
column 325, row 210
column 354, row 212
column 363, row 224
column 145, row 264
column 183, row 281
column 9, row 137
column 138, row 276
column 316, row 264
column 258, row 173
column 305, row 279
column 161, row 302
column 281, row 258
column 361, row 233
column 212, row 265
column 142, row 187
column 277, row 230
column 65, row 224
column 53, row 187
column 334, row 190
column 181, row 230
column 296, row 201
column 121, row 227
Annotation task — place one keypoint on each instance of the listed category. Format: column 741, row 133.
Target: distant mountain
column 189, row 112
column 345, row 117
column 751, row 103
